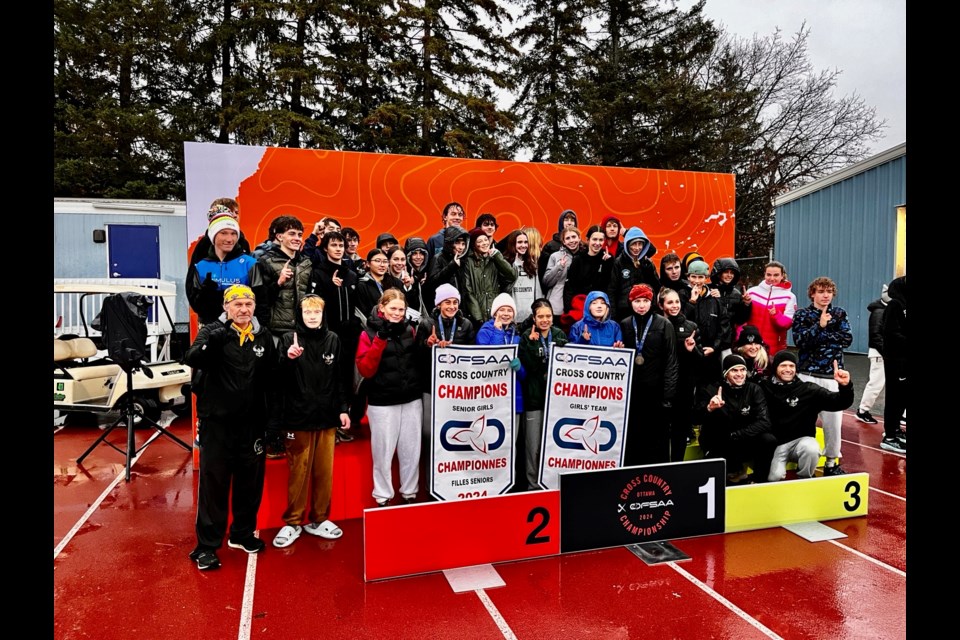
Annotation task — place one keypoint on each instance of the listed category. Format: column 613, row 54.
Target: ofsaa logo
column 590, row 434
column 482, row 435
column 644, row 505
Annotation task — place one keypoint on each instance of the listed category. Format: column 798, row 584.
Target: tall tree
column 803, row 130
column 113, row 86
column 553, row 40
column 454, row 63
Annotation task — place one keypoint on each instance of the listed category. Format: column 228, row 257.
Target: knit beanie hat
column 698, row 268
column 475, row 233
column 503, row 300
column 220, row 223
column 731, row 361
column 641, row 291
column 445, row 292
column 219, row 210
column 784, row 356
column 749, row 334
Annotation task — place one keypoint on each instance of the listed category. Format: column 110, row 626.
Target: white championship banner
column 586, row 410
column 472, row 439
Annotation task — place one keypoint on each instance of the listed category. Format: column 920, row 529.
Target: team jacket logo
column 482, row 435
column 258, row 351
column 590, row 434
column 792, row 402
column 745, row 410
column 328, row 358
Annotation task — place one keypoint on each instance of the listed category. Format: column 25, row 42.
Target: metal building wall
column 846, row 231
column 76, row 255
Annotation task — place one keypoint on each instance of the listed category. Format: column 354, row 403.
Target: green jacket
column 484, row 279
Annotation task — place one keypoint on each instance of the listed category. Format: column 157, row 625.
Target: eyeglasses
column 378, row 261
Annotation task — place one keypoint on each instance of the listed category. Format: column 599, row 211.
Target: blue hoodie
column 636, row 233
column 602, row 333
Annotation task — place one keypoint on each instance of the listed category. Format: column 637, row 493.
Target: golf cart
column 88, row 379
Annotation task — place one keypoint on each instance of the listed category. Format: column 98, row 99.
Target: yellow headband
column 237, row 291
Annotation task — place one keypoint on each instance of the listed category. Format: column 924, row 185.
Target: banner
column 586, row 412
column 472, row 438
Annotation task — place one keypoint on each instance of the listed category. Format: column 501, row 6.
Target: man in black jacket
column 236, row 359
column 735, row 423
column 794, row 406
column 876, row 380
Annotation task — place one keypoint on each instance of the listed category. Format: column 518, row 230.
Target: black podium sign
column 641, row 504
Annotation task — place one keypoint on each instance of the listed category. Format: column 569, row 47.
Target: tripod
column 130, row 411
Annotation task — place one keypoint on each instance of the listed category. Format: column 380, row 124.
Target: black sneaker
column 835, row 470
column 251, row 544
column 206, row 559
column 864, row 416
column 893, row 443
column 344, row 436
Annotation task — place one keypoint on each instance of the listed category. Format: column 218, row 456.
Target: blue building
column 850, row 226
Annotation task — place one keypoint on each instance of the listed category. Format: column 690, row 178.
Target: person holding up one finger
column 821, row 333
column 313, row 406
column 534, row 353
column 735, row 423
column 333, row 280
column 794, row 405
column 689, row 354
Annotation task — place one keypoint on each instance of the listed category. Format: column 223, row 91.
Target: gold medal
column 638, row 360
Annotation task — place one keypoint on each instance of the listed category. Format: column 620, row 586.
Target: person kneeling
column 794, row 406
column 735, row 424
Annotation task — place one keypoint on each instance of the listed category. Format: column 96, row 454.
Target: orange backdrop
column 404, row 195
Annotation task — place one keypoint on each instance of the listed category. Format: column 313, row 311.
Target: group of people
column 301, row 338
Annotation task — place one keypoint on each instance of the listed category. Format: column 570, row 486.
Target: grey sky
column 865, row 39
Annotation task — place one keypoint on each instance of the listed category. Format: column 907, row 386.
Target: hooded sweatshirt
column 731, row 297
column 552, row 246
column 894, row 327
column 875, row 323
column 312, row 392
column 603, row 332
column 613, row 246
column 443, row 267
column 627, row 273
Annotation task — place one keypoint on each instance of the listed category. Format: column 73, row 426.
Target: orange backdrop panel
column 375, row 193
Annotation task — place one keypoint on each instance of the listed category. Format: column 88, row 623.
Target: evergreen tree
column 548, row 105
column 452, row 63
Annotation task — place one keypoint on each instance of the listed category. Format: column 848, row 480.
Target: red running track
column 121, row 571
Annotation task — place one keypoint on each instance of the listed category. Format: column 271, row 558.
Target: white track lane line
column 729, row 605
column 873, row 560
column 249, row 585
column 887, row 493
column 96, row 503
column 495, row 614
column 867, row 446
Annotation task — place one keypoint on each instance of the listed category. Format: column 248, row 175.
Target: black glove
column 220, row 333
column 208, row 283
column 383, row 333
column 396, row 329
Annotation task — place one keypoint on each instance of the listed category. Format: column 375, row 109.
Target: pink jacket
column 773, row 327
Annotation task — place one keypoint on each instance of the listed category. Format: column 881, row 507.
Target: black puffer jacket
column 875, row 323
column 339, row 314
column 656, row 379
column 389, row 365
column 233, row 380
column 444, row 269
column 731, row 297
column 312, row 392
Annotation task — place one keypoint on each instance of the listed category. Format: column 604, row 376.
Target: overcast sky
column 865, row 39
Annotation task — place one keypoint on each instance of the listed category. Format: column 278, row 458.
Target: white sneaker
column 286, row 536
